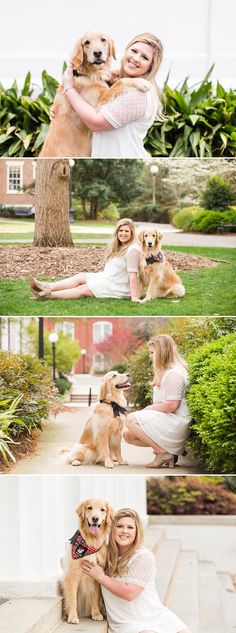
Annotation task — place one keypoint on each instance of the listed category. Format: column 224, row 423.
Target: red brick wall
column 21, row 198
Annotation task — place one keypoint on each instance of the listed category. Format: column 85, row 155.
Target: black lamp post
column 154, row 171
column 83, row 354
column 53, row 338
column 40, row 339
column 71, row 210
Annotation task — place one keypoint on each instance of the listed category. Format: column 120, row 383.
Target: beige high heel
column 41, row 295
column 37, row 286
column 162, row 459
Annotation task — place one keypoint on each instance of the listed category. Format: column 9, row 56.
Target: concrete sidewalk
column 66, row 431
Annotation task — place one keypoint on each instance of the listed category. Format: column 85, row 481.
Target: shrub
column 23, row 375
column 211, row 400
column 209, row 221
column 218, row 194
column 145, row 213
column 109, row 213
column 188, row 495
column 120, row 367
column 200, row 121
column 63, row 385
column 140, row 369
column 185, row 218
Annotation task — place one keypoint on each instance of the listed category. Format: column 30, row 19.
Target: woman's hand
column 93, row 570
column 68, row 78
column 52, row 113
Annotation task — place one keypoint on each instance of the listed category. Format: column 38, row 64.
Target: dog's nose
column 149, row 243
column 97, row 54
column 95, row 519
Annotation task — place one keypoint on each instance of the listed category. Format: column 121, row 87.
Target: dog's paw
column 142, row 84
column 108, row 463
column 73, row 619
column 97, row 616
column 76, row 462
column 123, row 462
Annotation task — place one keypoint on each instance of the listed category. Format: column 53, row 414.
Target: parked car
column 24, row 212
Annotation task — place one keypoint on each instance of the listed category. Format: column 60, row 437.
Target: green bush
column 25, row 376
column 6, row 211
column 109, row 213
column 209, row 221
column 211, row 400
column 63, row 385
column 140, row 369
column 218, row 194
column 8, row 417
column 145, row 213
column 188, row 495
column 200, row 121
column 120, row 367
column 185, row 218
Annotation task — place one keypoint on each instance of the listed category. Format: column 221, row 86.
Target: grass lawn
column 209, row 291
column 28, row 237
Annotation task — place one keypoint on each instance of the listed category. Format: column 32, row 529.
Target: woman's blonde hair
column 116, row 564
column 156, row 44
column 166, row 354
column 116, row 248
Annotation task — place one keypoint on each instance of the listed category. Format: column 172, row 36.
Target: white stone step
column 30, row 615
column 183, row 593
column 86, row 625
column 166, row 560
column 211, row 616
column 228, row 597
column 153, row 538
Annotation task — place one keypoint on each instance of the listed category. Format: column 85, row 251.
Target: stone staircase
column 203, row 598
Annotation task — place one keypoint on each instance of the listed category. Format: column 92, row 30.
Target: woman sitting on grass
column 118, row 280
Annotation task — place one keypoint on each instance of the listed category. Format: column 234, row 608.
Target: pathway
column 65, row 431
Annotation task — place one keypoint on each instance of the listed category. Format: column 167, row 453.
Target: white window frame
column 67, row 327
column 101, row 335
column 18, row 165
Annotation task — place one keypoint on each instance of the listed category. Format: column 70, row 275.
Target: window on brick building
column 99, row 363
column 101, row 330
column 66, row 327
column 14, row 178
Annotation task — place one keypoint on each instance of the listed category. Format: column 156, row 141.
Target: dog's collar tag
column 117, row 409
column 79, row 546
column 155, row 258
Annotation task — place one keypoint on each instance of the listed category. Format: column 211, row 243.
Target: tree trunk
column 52, row 227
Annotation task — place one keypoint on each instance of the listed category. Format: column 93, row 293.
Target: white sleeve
column 133, row 258
column 173, row 386
column 141, row 570
column 127, row 107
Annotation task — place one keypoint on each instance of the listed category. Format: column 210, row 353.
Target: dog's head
column 112, row 383
column 150, row 239
column 95, row 518
column 94, row 49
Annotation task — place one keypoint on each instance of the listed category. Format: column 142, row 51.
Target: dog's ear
column 112, row 50
column 81, row 511
column 141, row 237
column 110, row 515
column 105, row 392
column 102, row 391
column 77, row 56
column 159, row 236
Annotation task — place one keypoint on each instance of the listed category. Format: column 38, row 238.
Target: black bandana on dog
column 117, row 409
column 155, row 258
column 79, row 546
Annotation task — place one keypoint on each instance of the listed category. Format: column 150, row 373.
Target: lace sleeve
column 133, row 259
column 127, row 107
column 173, row 386
column 141, row 570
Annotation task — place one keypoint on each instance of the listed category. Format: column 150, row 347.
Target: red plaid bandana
column 79, row 546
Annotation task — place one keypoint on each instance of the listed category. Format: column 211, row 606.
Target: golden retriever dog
column 156, row 274
column 82, row 594
column 93, row 78
column 101, row 438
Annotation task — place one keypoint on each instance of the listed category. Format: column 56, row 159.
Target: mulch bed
column 18, row 262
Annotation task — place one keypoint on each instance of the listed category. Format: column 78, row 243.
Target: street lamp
column 83, row 354
column 154, row 171
column 53, row 338
column 71, row 210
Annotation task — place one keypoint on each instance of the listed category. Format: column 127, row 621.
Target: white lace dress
column 113, row 281
column 131, row 114
column 168, row 430
column 146, row 612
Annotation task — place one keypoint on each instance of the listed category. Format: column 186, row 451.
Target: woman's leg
column 137, row 433
column 72, row 293
column 69, row 282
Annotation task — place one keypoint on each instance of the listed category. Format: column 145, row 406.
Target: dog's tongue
column 94, row 529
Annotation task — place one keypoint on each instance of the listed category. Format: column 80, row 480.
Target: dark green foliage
column 189, row 495
column 211, row 399
column 218, row 194
column 140, row 369
column 63, row 385
column 210, row 221
column 120, row 367
column 185, row 218
column 200, row 121
column 145, row 213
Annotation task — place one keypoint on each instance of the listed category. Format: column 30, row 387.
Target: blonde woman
column 164, row 424
column 118, row 280
column 128, row 583
column 120, row 126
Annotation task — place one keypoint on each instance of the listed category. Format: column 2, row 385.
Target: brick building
column 14, row 174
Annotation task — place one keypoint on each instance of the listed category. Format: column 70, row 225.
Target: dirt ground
column 18, row 262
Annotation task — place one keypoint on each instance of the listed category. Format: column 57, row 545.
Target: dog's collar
column 79, row 546
column 117, row 409
column 77, row 74
column 155, row 258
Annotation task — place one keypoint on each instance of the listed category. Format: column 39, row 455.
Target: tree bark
column 52, row 227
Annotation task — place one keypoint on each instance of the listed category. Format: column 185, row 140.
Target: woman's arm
column 169, row 406
column 134, row 286
column 120, row 589
column 94, row 121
